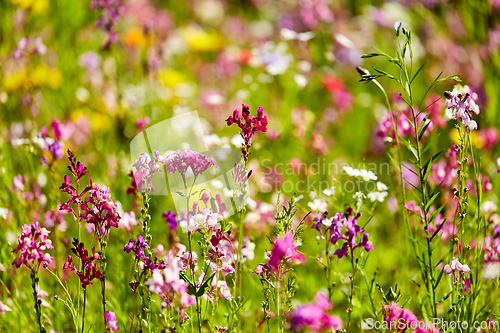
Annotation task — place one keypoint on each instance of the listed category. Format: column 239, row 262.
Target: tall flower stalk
column 31, row 243
column 249, row 126
column 96, row 207
column 419, row 120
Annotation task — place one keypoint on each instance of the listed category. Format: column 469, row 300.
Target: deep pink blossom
column 248, row 125
column 111, row 321
column 285, row 248
column 31, row 242
column 314, row 316
column 88, row 270
column 99, row 210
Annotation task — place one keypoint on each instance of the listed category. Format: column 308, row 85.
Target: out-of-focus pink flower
column 314, row 316
column 142, row 123
column 341, row 96
column 212, row 99
column 170, row 287
column 409, row 175
column 156, row 19
column 4, row 308
column 314, row 11
column 127, row 221
column 111, row 321
column 488, row 138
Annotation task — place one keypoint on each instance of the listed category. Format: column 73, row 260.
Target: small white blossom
column 329, row 191
column 318, row 205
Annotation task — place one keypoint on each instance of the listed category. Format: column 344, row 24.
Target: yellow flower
column 15, row 81
column 476, row 141
column 36, row 6
column 171, row 78
column 42, row 75
column 199, row 40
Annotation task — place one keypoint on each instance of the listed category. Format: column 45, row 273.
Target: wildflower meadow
column 249, row 166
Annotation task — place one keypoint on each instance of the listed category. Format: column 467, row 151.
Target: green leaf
column 422, row 131
column 431, row 200
column 445, row 297
column 383, row 73
column 438, row 229
column 429, row 145
column 396, row 164
column 410, row 146
column 371, row 55
column 405, row 99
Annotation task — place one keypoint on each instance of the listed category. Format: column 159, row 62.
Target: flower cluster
column 353, row 236
column 145, row 168
column 32, row 241
column 170, row 218
column 397, row 319
column 170, row 287
column 109, row 16
column 52, row 148
column 248, row 126
column 457, row 266
column 182, row 161
column 461, row 105
column 363, row 174
column 98, row 209
column 111, row 321
column 314, row 316
column 284, row 250
column 88, row 270
column 24, row 47
column 78, row 171
column 138, row 247
column 216, row 203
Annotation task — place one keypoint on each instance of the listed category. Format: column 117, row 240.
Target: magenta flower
column 88, row 271
column 31, row 242
column 283, row 251
column 78, row 171
column 402, row 320
column 98, row 209
column 170, row 219
column 111, row 321
column 285, row 248
column 248, row 126
column 314, row 316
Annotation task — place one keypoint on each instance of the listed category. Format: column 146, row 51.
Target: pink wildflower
column 315, row 316
column 111, row 321
column 31, row 242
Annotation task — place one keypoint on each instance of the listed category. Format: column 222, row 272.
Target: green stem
column 34, row 281
column 84, row 303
